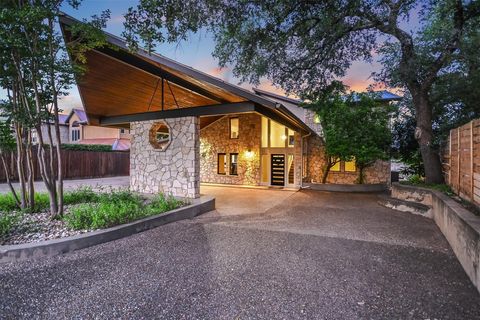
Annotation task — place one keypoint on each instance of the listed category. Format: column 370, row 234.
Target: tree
column 354, row 127
column 303, row 45
column 36, row 73
column 454, row 97
column 7, row 146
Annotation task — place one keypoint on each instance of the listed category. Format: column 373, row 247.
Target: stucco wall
column 377, row 173
column 63, row 133
column 174, row 171
column 94, row 132
column 215, row 139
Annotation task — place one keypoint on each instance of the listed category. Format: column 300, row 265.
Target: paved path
column 113, row 182
column 316, row 255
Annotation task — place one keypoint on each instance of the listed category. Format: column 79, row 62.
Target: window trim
column 230, row 164
column 230, row 127
column 218, row 163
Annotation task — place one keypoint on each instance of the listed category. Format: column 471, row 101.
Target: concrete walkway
column 314, row 255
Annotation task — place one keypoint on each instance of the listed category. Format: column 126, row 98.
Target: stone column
column 176, row 170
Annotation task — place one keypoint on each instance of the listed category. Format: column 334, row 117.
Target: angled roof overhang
column 121, row 86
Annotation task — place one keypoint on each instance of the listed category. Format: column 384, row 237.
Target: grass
column 416, row 180
column 117, row 207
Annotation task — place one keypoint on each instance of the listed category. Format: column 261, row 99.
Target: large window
column 336, row 166
column 275, row 135
column 222, row 163
column 234, row 128
column 350, row 166
column 233, row 164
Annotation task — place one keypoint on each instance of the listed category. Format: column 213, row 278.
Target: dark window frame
column 230, row 127
column 218, row 163
column 236, row 164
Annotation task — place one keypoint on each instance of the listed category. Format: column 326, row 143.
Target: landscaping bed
column 86, row 210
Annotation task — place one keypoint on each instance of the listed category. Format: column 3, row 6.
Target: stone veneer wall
column 215, row 139
column 174, row 171
column 378, row 173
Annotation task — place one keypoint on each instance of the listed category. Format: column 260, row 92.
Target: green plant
column 7, row 202
column 6, row 223
column 80, row 195
column 87, row 147
column 162, row 203
column 115, row 207
column 415, row 179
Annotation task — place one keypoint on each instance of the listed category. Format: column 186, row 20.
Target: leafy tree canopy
column 355, row 126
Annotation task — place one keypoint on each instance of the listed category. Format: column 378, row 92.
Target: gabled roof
column 82, row 116
column 121, row 86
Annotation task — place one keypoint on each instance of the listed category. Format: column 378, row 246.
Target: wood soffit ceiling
column 112, row 87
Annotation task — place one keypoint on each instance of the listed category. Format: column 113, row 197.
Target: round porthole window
column 160, row 136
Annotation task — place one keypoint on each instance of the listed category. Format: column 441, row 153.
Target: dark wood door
column 278, row 170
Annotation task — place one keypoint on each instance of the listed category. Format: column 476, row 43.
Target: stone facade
column 215, row 139
column 377, row 173
column 174, row 171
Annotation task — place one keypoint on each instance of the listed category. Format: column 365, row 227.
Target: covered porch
column 169, row 107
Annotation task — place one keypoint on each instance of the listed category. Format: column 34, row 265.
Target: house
column 80, row 132
column 74, row 129
column 188, row 127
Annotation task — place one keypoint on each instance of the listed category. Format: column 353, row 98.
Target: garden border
column 460, row 227
column 48, row 248
column 379, row 187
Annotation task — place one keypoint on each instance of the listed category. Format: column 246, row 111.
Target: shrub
column 116, row 207
column 162, row 203
column 87, row 147
column 6, row 223
column 7, row 203
column 80, row 195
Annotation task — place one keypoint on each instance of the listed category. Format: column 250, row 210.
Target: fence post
column 450, row 158
column 458, row 160
column 471, row 161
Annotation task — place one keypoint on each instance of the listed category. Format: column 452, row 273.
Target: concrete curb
column 18, row 252
column 460, row 227
column 345, row 187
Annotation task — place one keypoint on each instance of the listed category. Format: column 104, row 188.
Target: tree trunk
column 30, row 172
column 424, row 137
column 7, row 177
column 20, row 166
column 326, row 169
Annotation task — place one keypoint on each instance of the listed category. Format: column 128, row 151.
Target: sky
column 196, row 52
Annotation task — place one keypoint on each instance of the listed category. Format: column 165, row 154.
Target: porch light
column 284, row 137
column 249, row 154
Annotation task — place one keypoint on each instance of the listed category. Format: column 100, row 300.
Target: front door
column 278, row 170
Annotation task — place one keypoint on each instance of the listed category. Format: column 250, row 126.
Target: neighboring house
column 79, row 131
column 189, row 127
column 74, row 128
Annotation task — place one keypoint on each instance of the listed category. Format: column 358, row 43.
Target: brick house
column 188, row 127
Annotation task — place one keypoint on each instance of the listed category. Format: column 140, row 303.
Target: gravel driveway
column 316, row 255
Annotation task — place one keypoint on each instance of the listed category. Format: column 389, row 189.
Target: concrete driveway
column 315, row 255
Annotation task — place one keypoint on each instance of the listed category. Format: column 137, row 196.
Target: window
column 291, row 138
column 234, row 128
column 336, row 166
column 159, row 136
column 122, row 130
column 34, row 136
column 75, row 134
column 265, row 122
column 350, row 166
column 233, row 163
column 275, row 135
column 222, row 163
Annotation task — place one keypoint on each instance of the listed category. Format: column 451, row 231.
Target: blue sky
column 196, row 52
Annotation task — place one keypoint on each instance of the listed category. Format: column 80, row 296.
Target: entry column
column 173, row 168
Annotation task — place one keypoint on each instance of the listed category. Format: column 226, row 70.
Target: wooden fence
column 81, row 164
column 462, row 161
